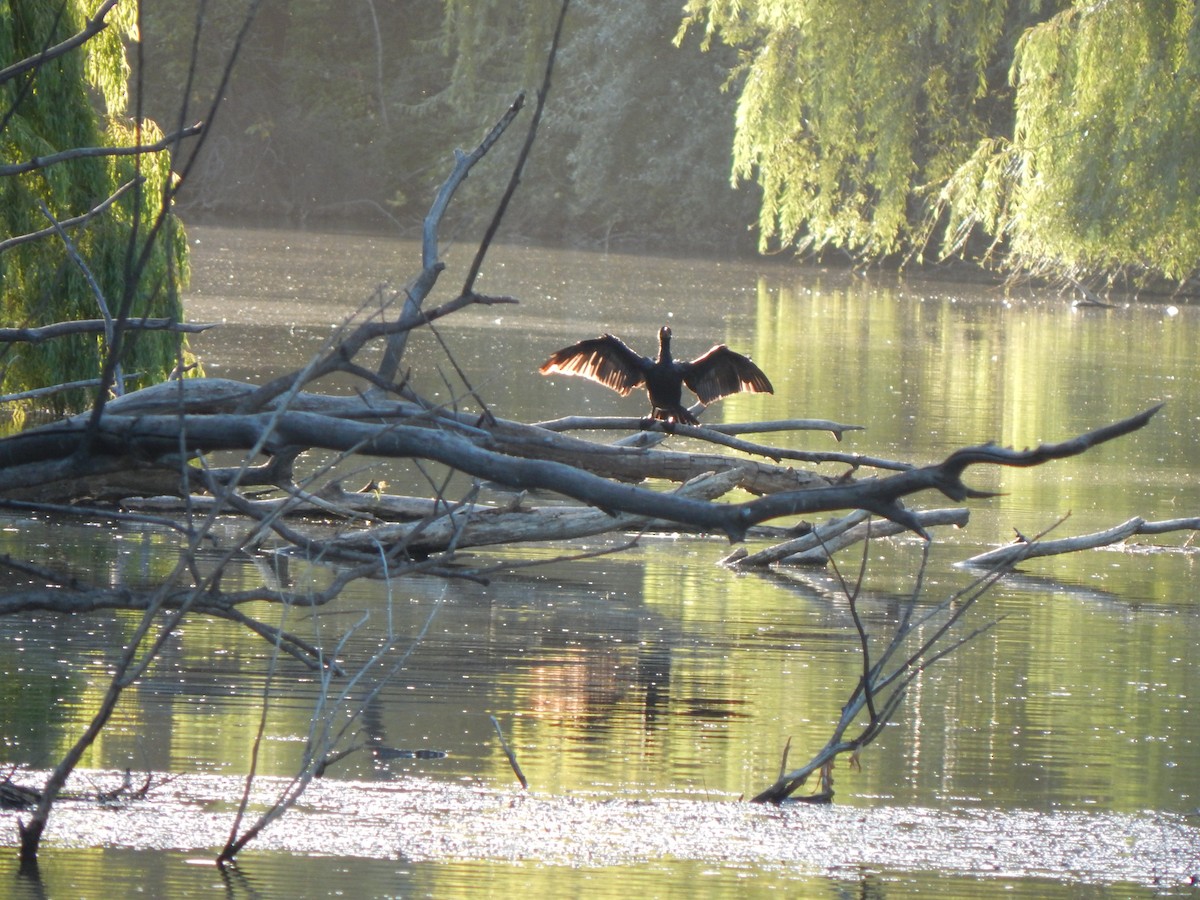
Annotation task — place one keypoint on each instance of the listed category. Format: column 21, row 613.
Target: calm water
column 639, row 681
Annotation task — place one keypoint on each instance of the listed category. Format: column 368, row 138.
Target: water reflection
column 653, row 672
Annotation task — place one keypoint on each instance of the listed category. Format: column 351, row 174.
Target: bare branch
column 515, row 178
column 1023, row 549
column 43, row 162
column 82, row 219
column 91, row 28
column 625, row 423
column 151, row 436
column 93, row 326
column 431, row 265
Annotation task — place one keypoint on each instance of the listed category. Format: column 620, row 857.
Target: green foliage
column 1064, row 132
column 1108, row 110
column 353, row 110
column 847, row 110
column 640, row 133
column 49, row 110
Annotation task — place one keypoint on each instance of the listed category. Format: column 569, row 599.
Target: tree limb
column 94, row 326
column 43, row 162
column 91, row 28
column 153, row 436
column 81, row 219
column 1022, row 549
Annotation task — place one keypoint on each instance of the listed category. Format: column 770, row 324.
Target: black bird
column 607, row 360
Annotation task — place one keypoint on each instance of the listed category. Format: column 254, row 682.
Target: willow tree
column 1062, row 131
column 1108, row 110
column 128, row 259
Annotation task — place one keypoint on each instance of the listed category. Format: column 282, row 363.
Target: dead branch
column 1021, row 549
column 882, row 496
column 74, row 221
column 91, row 28
column 517, row 461
column 42, row 162
column 626, row 423
column 652, row 432
column 95, row 326
column 431, row 264
column 34, row 393
column 880, row 690
column 469, row 526
column 817, row 547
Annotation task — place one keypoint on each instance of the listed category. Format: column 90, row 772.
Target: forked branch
column 881, row 689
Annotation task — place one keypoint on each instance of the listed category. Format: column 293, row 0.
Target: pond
column 647, row 690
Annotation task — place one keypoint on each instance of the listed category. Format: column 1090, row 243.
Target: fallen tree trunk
column 518, row 456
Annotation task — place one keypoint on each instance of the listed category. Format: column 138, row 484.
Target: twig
column 92, row 27
column 81, row 219
column 512, row 758
column 42, row 162
column 92, row 326
column 431, row 265
column 515, row 178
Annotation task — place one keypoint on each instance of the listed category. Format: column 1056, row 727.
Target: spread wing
column 721, row 372
column 605, row 359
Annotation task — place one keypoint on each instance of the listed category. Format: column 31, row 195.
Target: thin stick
column 512, row 757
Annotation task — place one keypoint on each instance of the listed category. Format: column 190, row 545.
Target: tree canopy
column 1108, row 109
column 121, row 261
column 1052, row 135
column 344, row 113
column 1061, row 132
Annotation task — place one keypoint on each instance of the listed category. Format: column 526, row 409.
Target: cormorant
column 607, row 360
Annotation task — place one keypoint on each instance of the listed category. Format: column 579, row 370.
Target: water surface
column 653, row 676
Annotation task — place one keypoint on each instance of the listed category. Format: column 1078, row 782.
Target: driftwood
column 468, row 526
column 817, row 546
column 1023, row 549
